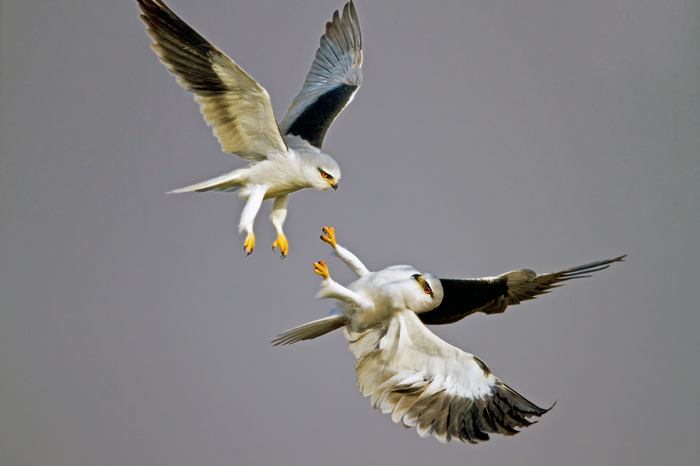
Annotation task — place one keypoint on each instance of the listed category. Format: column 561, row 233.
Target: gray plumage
column 406, row 370
column 286, row 158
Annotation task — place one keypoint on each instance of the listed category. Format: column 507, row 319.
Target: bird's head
column 426, row 294
column 321, row 171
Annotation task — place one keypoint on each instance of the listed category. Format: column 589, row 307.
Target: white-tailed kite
column 286, row 157
column 407, row 370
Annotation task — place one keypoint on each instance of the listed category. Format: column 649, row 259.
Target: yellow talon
column 330, row 236
column 249, row 243
column 321, row 268
column 282, row 244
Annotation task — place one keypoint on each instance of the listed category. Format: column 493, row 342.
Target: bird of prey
column 286, row 157
column 406, row 369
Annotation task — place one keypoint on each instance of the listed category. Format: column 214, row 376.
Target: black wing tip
column 502, row 413
column 349, row 22
column 149, row 6
column 579, row 271
column 310, row 117
column 349, row 11
column 540, row 411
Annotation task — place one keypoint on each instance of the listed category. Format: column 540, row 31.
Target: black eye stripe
column 425, row 286
column 325, row 174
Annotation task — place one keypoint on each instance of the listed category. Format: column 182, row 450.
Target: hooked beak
column 334, row 186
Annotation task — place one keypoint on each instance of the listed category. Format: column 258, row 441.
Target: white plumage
column 408, row 371
column 285, row 158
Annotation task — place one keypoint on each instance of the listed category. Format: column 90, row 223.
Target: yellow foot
column 321, row 268
column 249, row 243
column 330, row 236
column 282, row 244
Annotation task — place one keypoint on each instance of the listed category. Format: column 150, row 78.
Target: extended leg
column 349, row 258
column 248, row 216
column 331, row 289
column 279, row 213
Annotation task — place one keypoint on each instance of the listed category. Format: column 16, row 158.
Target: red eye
column 427, row 290
column 324, row 174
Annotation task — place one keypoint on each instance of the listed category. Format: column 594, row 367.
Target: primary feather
column 240, row 113
column 426, row 383
column 491, row 295
column 405, row 369
column 335, row 76
column 237, row 107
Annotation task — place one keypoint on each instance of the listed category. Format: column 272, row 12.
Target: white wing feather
column 237, row 107
column 425, row 382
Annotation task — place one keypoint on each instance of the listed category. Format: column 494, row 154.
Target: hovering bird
column 286, row 157
column 407, row 370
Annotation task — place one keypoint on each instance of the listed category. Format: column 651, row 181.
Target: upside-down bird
column 286, row 157
column 406, row 369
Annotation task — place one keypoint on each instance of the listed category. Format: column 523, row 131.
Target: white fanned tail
column 311, row 330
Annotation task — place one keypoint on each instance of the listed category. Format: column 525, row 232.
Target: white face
column 402, row 286
column 321, row 171
column 327, row 180
column 430, row 292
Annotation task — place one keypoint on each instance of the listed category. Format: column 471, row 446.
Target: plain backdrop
column 487, row 136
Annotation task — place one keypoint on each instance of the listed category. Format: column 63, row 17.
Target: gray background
column 486, row 137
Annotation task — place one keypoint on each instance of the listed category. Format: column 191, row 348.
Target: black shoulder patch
column 462, row 298
column 313, row 123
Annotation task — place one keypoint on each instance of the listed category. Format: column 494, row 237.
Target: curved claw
column 282, row 244
column 249, row 243
column 321, row 268
column 329, row 236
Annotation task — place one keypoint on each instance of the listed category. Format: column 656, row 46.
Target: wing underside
column 237, row 107
column 331, row 83
column 426, row 383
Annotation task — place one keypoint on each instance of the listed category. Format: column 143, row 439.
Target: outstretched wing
column 492, row 295
column 232, row 102
column 424, row 382
column 334, row 78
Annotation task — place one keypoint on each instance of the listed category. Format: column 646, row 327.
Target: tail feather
column 310, row 330
column 229, row 182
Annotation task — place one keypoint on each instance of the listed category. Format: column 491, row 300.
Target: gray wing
column 334, row 78
column 427, row 383
column 236, row 106
column 492, row 295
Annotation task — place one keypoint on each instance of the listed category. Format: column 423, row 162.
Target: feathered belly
column 278, row 191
